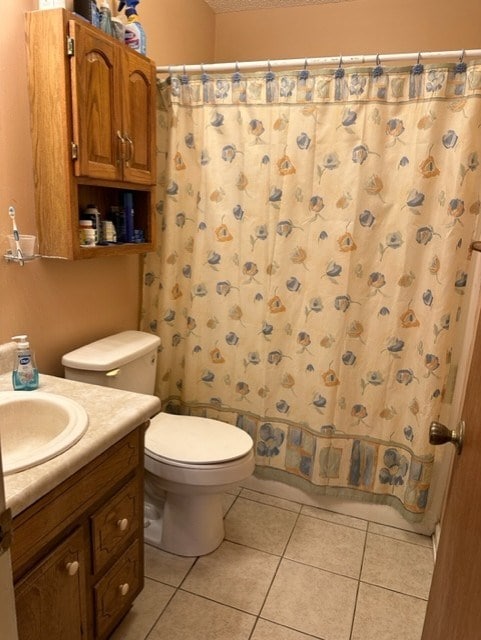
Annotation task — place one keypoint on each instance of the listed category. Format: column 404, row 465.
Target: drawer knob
column 72, row 567
column 124, row 588
column 123, row 524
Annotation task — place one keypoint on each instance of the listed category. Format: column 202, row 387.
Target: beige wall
column 61, row 304
column 353, row 27
column 178, row 31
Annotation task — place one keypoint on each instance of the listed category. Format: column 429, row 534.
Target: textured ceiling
column 224, row 6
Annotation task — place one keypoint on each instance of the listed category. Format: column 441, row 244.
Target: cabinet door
column 50, row 598
column 96, row 103
column 139, row 118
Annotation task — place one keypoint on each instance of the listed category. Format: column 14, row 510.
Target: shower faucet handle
column 440, row 434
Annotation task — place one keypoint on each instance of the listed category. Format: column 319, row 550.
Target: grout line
column 414, row 544
column 359, row 582
column 400, row 593
column 268, row 504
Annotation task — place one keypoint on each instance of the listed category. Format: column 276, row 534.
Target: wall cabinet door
column 113, row 101
column 50, row 598
column 139, row 119
column 96, row 104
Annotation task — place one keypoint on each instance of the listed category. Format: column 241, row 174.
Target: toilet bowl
column 189, row 461
column 188, row 474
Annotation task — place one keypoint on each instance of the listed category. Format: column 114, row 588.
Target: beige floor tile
column 166, row 567
column 400, row 534
column 327, row 545
column 384, row 615
column 145, row 611
column 312, row 601
column 265, row 498
column 397, row 565
column 190, row 617
column 266, row 630
column 337, row 518
column 259, row 526
column 233, row 575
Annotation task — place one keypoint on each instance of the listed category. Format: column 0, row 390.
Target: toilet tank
column 126, row 360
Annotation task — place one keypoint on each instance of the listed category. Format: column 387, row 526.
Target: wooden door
column 454, row 607
column 96, row 103
column 50, row 598
column 139, row 119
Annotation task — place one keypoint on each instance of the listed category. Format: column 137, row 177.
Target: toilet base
column 188, row 526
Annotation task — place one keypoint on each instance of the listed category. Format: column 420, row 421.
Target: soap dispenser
column 25, row 372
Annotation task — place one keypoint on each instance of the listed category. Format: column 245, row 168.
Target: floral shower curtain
column 313, row 252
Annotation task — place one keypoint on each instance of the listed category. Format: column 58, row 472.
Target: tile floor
column 290, row 572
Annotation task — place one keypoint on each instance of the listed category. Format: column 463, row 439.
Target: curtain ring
column 378, row 60
column 419, row 58
column 461, row 58
column 305, row 64
column 237, row 66
column 340, row 61
column 269, row 66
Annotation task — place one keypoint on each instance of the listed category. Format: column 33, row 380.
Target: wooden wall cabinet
column 92, row 104
column 77, row 553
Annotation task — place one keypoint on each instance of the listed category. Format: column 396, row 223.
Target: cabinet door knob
column 124, row 588
column 72, row 567
column 123, row 524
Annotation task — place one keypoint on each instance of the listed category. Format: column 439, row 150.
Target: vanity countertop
column 112, row 415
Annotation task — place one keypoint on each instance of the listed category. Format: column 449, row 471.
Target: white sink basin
column 37, row 426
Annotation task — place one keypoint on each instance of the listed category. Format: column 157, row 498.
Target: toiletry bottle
column 91, row 212
column 86, row 233
column 118, row 29
column 134, row 32
column 106, row 17
column 25, row 372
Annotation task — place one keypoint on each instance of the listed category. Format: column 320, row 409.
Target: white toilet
column 189, row 461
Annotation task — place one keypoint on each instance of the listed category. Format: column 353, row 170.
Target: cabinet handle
column 130, row 142
column 123, row 524
column 72, row 567
column 121, row 156
column 124, row 588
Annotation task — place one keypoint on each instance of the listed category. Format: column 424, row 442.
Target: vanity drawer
column 114, row 523
column 114, row 593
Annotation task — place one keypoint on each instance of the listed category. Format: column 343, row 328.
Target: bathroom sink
column 37, row 426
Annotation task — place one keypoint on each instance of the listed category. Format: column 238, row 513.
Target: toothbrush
column 11, row 213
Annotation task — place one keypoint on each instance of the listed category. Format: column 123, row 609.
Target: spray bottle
column 25, row 372
column 134, row 32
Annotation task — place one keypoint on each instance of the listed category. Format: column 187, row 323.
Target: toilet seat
column 191, row 441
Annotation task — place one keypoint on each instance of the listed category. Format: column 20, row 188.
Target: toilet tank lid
column 111, row 352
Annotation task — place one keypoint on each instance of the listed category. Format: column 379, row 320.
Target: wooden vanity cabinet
column 92, row 105
column 77, row 553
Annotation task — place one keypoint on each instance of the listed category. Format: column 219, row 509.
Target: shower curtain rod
column 306, row 62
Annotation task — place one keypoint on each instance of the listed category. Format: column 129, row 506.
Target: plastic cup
column 27, row 245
